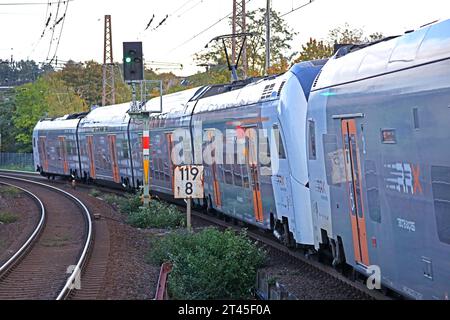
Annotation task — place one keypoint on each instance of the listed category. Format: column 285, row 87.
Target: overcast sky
column 82, row 37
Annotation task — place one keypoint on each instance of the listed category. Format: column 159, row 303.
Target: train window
column 237, row 175
column 280, row 144
column 265, row 156
column 228, row 174
column 440, row 180
column 245, row 178
column 416, row 118
column 125, row 149
column 161, row 169
column 312, row 140
column 373, row 194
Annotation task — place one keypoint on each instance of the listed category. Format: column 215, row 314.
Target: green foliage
column 210, row 264
column 10, row 192
column 49, row 96
column 157, row 215
column 7, row 100
column 86, row 79
column 31, row 106
column 129, row 203
column 7, row 218
column 280, row 39
column 18, row 168
column 94, row 193
column 314, row 50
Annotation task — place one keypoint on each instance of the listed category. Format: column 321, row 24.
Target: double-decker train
column 349, row 160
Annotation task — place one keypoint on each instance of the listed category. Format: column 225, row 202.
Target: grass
column 10, row 192
column 55, row 242
column 7, row 217
column 18, row 168
column 95, row 193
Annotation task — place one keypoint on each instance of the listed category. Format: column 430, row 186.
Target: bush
column 157, row 215
column 129, row 203
column 210, row 264
column 6, row 218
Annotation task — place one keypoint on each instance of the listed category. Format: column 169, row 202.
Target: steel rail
column 30, row 241
column 68, row 287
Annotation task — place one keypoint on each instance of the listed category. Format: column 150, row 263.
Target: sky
column 21, row 25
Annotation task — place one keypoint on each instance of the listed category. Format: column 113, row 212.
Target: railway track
column 321, row 269
column 48, row 265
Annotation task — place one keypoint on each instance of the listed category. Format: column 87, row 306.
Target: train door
column 90, row 150
column 43, row 153
column 214, row 172
column 354, row 187
column 169, row 141
column 113, row 154
column 251, row 157
column 63, row 154
column 280, row 175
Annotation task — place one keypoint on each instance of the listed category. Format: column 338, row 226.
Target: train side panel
column 386, row 173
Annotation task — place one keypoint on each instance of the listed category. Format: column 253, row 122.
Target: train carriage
column 104, row 146
column 56, row 146
column 379, row 169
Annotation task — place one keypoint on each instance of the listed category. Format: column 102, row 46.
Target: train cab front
column 291, row 183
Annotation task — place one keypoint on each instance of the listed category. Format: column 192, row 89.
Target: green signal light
column 128, row 60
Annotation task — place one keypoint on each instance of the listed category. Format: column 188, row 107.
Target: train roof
column 262, row 90
column 114, row 115
column 69, row 121
column 427, row 44
column 174, row 103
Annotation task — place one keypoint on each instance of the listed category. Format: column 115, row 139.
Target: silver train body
column 378, row 127
column 362, row 172
column 109, row 147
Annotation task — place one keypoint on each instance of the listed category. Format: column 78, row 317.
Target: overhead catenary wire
column 48, row 19
column 60, row 32
column 168, row 16
column 189, row 9
column 31, row 3
column 203, row 31
column 53, row 30
column 297, row 8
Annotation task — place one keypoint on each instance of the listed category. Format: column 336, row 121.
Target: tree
column 314, row 50
column 30, row 108
column 345, row 35
column 87, row 81
column 49, row 96
column 7, row 131
column 281, row 36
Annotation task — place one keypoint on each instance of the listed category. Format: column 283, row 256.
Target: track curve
column 55, row 258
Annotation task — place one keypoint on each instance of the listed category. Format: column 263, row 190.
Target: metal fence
column 17, row 161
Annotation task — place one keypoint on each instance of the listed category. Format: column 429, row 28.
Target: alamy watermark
column 76, row 283
column 241, row 146
column 374, row 280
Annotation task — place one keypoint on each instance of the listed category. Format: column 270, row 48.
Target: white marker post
column 188, row 185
